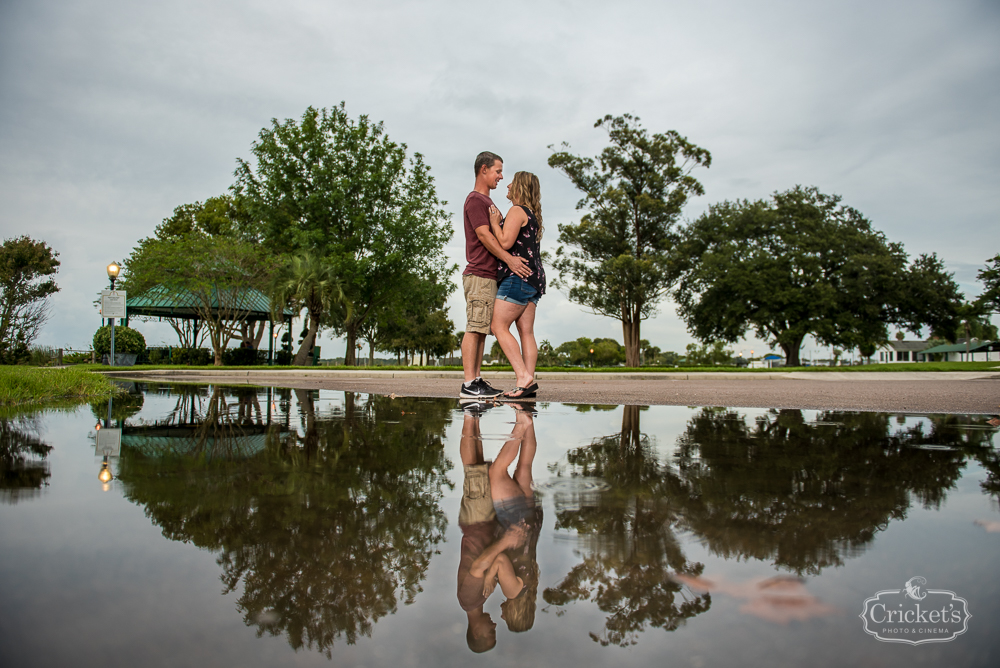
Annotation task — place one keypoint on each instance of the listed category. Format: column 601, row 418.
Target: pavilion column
column 270, row 346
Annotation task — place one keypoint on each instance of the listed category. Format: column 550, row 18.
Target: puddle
column 202, row 525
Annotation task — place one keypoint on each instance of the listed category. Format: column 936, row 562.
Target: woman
column 517, row 298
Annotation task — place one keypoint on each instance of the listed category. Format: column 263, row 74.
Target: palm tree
column 307, row 281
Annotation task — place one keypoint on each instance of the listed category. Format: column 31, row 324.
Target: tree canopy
column 801, row 263
column 220, row 273
column 26, row 270
column 989, row 301
column 306, row 281
column 633, row 194
column 342, row 190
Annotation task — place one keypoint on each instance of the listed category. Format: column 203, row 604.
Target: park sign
column 113, row 303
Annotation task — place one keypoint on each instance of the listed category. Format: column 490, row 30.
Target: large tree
column 342, row 190
column 633, row 194
column 799, row 264
column 217, row 275
column 26, row 270
column 215, row 217
column 989, row 301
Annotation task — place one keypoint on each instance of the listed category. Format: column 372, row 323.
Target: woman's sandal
column 523, row 392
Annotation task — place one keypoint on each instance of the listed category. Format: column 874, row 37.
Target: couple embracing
column 504, row 278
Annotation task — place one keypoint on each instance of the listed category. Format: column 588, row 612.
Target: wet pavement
column 945, row 392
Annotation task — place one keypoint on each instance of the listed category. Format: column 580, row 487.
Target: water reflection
column 322, row 532
column 801, row 495
column 325, row 511
column 22, row 455
column 500, row 522
column 628, row 534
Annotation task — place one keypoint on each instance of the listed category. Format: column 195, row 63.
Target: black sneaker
column 479, row 389
column 489, row 387
column 475, row 407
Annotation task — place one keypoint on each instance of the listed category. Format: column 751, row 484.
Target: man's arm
column 516, row 264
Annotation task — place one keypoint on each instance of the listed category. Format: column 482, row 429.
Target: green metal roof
column 164, row 302
column 981, row 346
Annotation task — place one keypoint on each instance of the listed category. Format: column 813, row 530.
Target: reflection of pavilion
column 207, row 426
column 238, row 442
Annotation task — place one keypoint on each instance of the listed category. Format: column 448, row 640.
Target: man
column 479, row 280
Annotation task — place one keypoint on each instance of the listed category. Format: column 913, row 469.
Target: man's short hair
column 486, row 159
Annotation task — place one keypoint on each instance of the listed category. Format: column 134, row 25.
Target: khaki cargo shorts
column 477, row 502
column 480, row 293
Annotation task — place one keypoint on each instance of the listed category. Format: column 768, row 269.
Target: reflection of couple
column 500, row 523
column 504, row 278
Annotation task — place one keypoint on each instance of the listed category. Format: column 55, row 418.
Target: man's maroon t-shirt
column 477, row 213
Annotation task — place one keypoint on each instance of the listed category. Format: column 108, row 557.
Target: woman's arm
column 516, row 219
column 510, row 584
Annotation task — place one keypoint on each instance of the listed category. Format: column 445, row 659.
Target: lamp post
column 591, row 358
column 113, row 271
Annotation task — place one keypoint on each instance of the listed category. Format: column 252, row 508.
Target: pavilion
column 161, row 302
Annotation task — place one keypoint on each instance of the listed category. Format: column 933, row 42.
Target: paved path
column 912, row 392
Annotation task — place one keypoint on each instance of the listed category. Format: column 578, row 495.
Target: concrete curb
column 277, row 375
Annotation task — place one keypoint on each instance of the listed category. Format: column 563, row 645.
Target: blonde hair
column 524, row 190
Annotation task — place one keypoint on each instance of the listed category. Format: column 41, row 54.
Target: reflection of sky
column 84, row 576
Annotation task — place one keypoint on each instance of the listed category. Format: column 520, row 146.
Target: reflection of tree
column 20, row 449
column 804, row 495
column 628, row 532
column 123, row 406
column 322, row 533
column 972, row 433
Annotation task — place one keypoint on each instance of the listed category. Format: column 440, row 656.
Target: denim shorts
column 516, row 290
column 513, row 510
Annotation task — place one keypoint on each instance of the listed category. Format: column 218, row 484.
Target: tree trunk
column 630, row 330
column 629, row 436
column 216, row 338
column 350, row 358
column 248, row 335
column 791, row 351
column 307, row 343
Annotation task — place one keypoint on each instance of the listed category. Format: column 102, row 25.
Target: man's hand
column 518, row 265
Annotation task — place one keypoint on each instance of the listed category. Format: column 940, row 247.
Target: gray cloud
column 112, row 113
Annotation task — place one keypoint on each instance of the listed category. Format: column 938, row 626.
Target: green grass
column 26, row 386
column 886, row 368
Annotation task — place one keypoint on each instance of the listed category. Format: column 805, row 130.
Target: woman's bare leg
column 502, row 485
column 529, row 347
column 526, row 453
column 504, row 315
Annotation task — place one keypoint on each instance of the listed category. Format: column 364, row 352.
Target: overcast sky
column 113, row 113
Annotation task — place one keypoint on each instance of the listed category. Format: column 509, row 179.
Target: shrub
column 191, row 356
column 41, row 355
column 283, row 357
column 127, row 340
column 244, row 357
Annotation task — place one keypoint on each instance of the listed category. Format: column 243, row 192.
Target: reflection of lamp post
column 108, row 444
column 591, row 358
column 113, row 271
